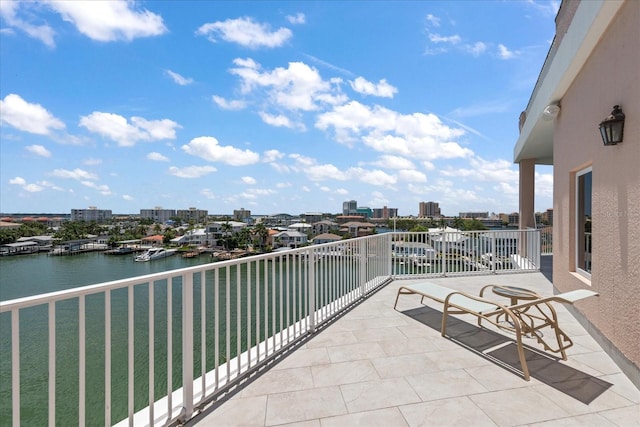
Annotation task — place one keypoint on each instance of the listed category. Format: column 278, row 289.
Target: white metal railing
column 153, row 349
column 464, row 253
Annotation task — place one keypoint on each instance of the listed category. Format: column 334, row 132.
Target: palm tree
column 244, row 237
column 261, row 233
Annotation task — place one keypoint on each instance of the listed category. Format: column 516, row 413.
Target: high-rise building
column 197, row 216
column 92, row 214
column 365, row 212
column 158, row 214
column 385, row 213
column 350, row 207
column 474, row 215
column 429, row 210
column 241, row 215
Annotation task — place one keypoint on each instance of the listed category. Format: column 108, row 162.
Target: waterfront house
column 357, row 228
column 289, row 238
column 324, row 226
column 301, row 227
column 154, row 240
column 326, row 238
column 589, row 77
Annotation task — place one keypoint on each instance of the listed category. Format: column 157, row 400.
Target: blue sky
column 268, row 106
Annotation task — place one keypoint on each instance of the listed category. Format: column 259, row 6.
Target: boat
column 122, row 250
column 154, row 253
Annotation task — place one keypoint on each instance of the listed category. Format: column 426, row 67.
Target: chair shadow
column 502, row 350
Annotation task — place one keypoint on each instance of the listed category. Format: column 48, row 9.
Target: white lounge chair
column 527, row 317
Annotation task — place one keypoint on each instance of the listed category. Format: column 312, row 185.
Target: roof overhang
column 590, row 21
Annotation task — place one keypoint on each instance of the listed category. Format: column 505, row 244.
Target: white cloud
column 178, row 79
column 248, row 180
column 29, row 188
column 297, row 87
column 157, row 157
column 437, row 38
column 382, row 89
column 245, row 32
column 411, row 176
column 271, row 156
column 127, row 197
column 480, row 170
column 103, row 189
column 476, row 49
column 208, row 148
column 324, row 172
column 298, row 18
column 419, row 136
column 372, row 177
column 433, row 20
column 254, row 193
column 77, row 174
column 38, row 150
column 505, row 53
column 191, row 171
column 279, row 121
column 92, row 162
column 393, row 162
column 342, row 191
column 228, row 105
column 9, row 11
column 125, row 134
column 209, row 194
column 18, row 180
column 544, row 185
column 27, row 117
column 303, row 161
column 107, row 21
column 548, row 9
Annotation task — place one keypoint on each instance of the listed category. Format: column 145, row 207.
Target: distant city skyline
column 253, row 213
column 270, row 106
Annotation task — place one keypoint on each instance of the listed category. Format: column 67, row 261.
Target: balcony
column 307, row 335
column 375, row 366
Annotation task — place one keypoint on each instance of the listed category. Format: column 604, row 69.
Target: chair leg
column 445, row 314
column 521, row 356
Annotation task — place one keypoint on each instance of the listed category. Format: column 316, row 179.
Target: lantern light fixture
column 612, row 127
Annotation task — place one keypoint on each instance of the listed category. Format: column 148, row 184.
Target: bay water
column 27, row 275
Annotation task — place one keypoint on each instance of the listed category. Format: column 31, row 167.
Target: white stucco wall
column 610, row 76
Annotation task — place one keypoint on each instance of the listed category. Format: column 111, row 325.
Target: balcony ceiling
column 564, row 62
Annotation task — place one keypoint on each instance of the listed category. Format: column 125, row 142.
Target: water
column 28, row 275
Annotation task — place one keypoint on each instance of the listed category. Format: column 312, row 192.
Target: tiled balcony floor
column 376, row 366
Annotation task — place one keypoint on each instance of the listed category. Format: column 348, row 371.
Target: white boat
column 154, row 253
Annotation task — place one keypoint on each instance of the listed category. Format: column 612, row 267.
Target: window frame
column 579, row 234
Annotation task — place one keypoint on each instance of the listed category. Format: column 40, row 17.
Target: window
column 584, row 241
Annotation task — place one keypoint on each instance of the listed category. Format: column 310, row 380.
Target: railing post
column 494, row 253
column 539, row 249
column 362, row 266
column 15, row 367
column 390, row 238
column 311, row 290
column 187, row 346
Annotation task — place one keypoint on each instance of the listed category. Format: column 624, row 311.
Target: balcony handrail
column 281, row 297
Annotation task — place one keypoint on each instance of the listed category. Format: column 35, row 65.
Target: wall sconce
column 612, row 128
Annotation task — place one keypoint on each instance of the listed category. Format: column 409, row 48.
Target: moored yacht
column 154, row 253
